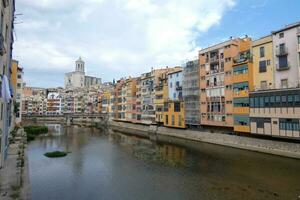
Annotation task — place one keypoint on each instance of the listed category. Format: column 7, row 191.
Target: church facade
column 78, row 79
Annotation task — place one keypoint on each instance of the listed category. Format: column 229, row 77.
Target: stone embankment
column 281, row 148
column 14, row 177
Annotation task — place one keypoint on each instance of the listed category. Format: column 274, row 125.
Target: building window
column 179, row 120
column 262, row 52
column 298, row 39
column 177, row 107
column 228, row 59
column 268, row 62
column 167, row 119
column 263, row 85
column 281, row 35
column 289, row 124
column 173, row 120
column 262, row 66
column 284, row 83
column 283, row 62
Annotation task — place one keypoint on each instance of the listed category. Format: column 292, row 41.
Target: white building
column 54, row 104
column 19, row 92
column 287, row 56
column 78, row 79
column 175, row 85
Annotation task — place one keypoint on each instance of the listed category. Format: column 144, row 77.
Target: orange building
column 130, row 95
column 242, row 80
column 216, row 82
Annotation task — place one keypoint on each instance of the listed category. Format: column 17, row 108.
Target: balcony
column 241, row 93
column 242, row 58
column 241, row 128
column 281, row 51
column 214, row 59
column 2, row 47
column 283, row 67
column 241, row 110
column 178, row 88
column 238, row 78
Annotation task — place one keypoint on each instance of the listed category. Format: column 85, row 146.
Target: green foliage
column 55, row 154
column 33, row 131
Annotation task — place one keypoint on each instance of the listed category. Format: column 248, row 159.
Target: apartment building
column 104, row 102
column 191, row 93
column 17, row 84
column 161, row 96
column 147, row 97
column 130, row 96
column 174, row 112
column 7, row 9
column 216, row 82
column 138, row 100
column 69, row 101
column 120, row 98
column 242, row 84
column 54, row 104
column 286, row 56
column 263, row 64
column 276, row 112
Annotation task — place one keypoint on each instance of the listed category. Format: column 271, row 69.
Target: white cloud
column 117, row 36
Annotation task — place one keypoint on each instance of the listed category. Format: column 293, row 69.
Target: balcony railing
column 283, row 67
column 214, row 59
column 178, row 88
column 242, row 58
column 282, row 51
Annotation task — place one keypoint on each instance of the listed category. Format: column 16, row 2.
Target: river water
column 114, row 166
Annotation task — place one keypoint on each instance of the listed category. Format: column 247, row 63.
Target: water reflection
column 143, row 149
column 117, row 166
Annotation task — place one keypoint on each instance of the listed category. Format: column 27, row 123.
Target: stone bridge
column 94, row 119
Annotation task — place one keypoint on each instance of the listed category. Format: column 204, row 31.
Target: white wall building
column 287, row 56
column 78, row 79
column 175, row 85
column 54, row 104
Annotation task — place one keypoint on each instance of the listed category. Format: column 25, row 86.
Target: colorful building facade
column 263, row 64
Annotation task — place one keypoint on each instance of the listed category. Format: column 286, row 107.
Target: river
column 114, row 166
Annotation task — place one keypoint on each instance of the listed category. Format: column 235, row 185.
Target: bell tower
column 79, row 65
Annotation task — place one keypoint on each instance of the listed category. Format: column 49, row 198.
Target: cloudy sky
column 119, row 38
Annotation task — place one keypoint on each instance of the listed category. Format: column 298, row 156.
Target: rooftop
column 287, row 27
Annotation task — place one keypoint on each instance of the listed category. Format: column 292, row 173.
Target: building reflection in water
column 149, row 151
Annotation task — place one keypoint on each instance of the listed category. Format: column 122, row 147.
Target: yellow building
column 174, row 113
column 17, row 84
column 242, row 84
column 174, row 108
column 161, row 96
column 263, row 65
column 104, row 102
